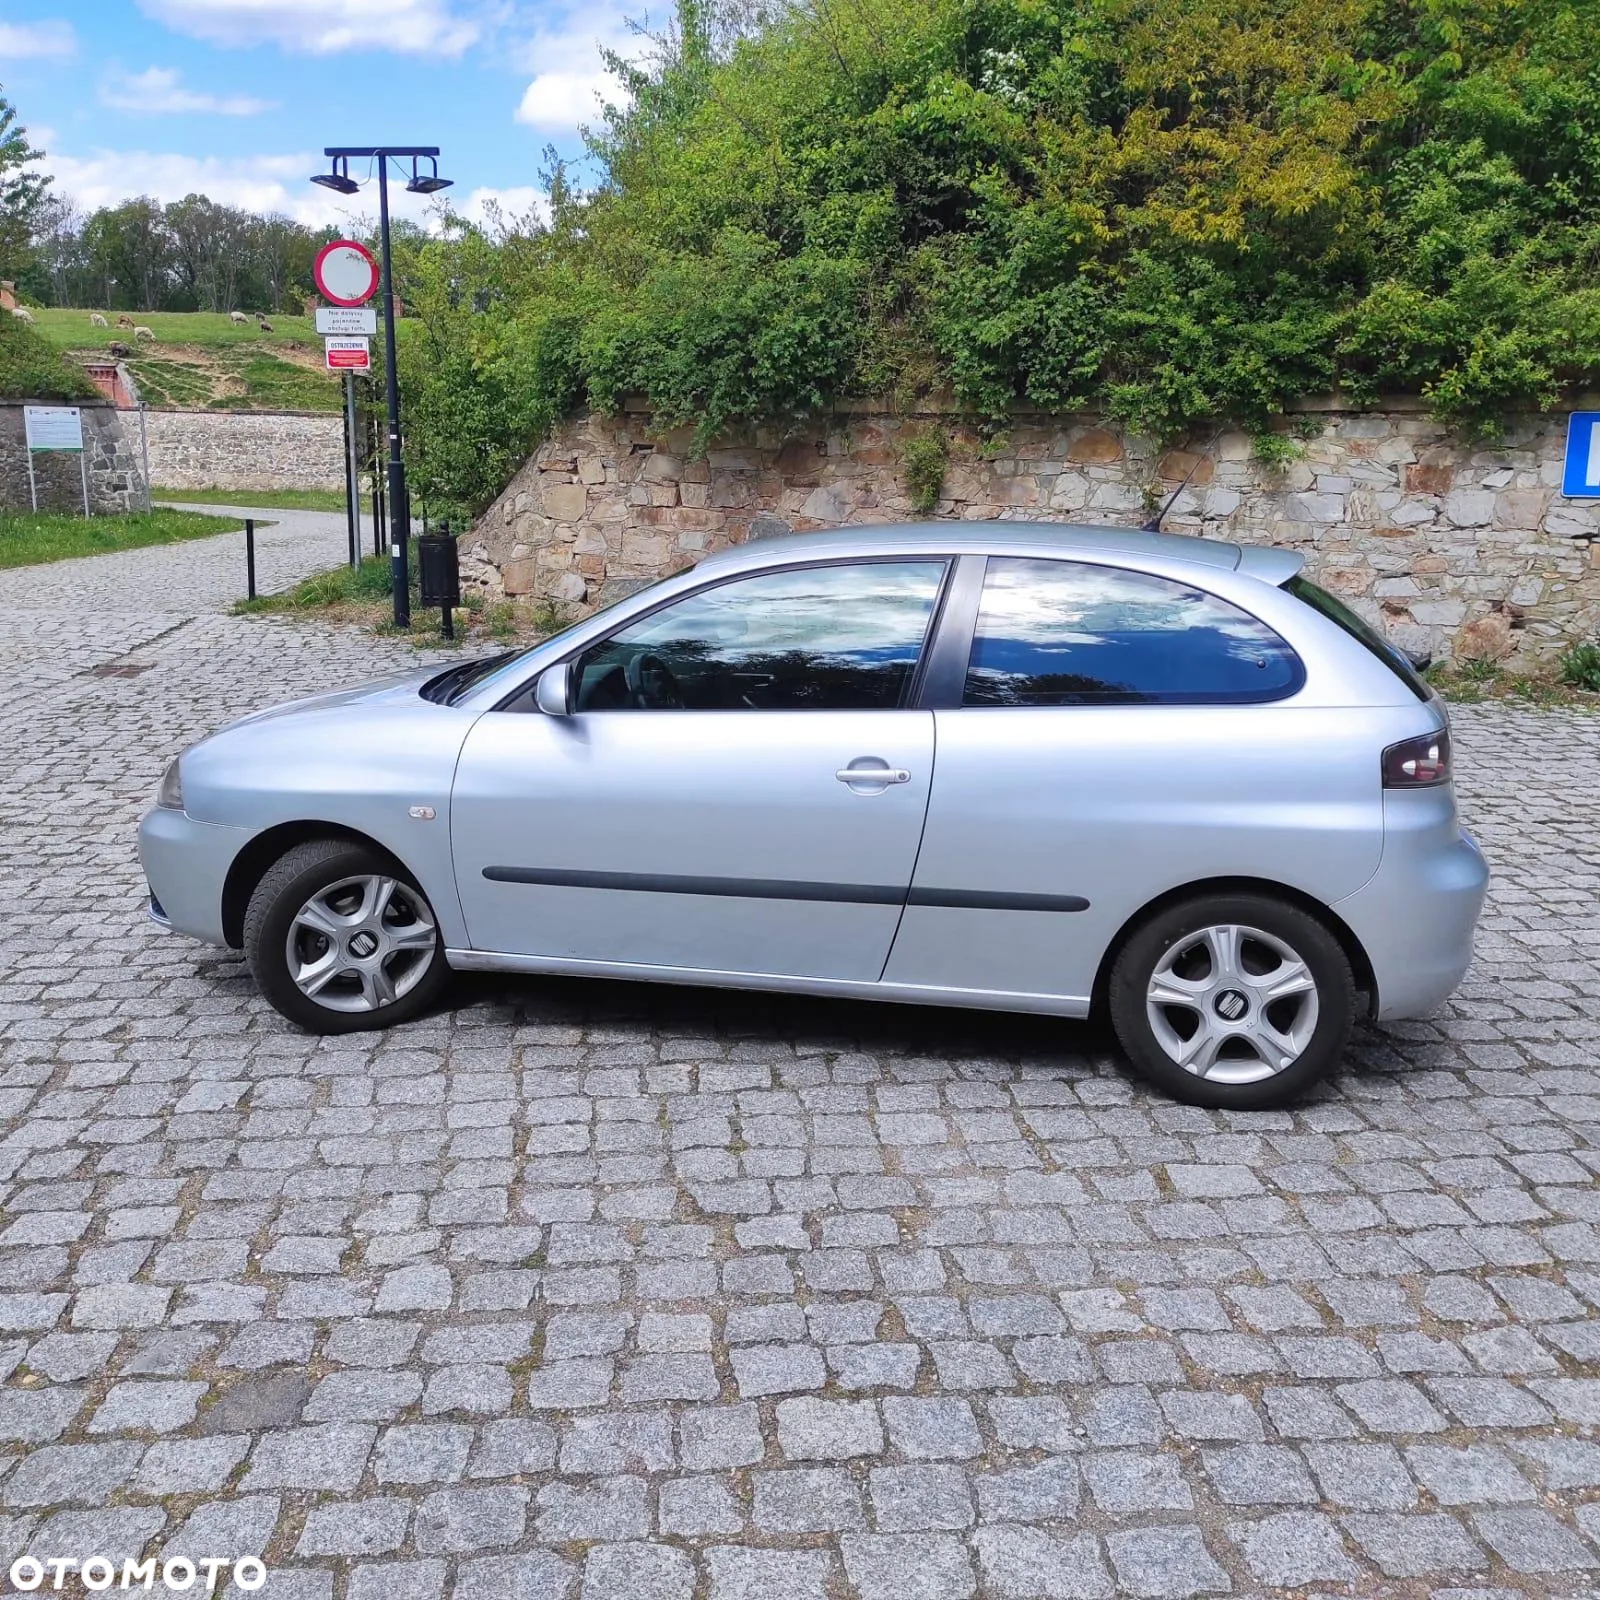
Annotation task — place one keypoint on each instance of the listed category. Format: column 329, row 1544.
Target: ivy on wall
column 1159, row 209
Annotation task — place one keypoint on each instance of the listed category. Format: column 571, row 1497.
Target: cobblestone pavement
column 619, row 1293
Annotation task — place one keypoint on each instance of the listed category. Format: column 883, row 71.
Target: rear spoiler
column 1269, row 563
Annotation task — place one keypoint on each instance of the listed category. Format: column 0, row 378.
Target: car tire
column 337, row 938
column 1252, row 988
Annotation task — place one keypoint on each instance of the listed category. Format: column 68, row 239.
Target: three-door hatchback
column 1018, row 766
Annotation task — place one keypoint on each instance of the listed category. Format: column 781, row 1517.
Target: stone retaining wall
column 245, row 449
column 111, row 453
column 1454, row 546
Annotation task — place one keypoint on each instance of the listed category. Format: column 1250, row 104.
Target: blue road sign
column 1580, row 480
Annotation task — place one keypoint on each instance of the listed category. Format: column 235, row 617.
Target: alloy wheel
column 361, row 943
column 1232, row 1004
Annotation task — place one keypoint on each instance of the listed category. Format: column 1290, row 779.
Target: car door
column 1110, row 736
column 741, row 787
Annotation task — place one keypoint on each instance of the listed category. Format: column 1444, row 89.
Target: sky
column 236, row 99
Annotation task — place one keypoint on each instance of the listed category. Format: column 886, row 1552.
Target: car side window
column 845, row 637
column 1062, row 633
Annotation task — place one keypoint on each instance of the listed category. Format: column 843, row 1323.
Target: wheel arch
column 253, row 862
column 1360, row 966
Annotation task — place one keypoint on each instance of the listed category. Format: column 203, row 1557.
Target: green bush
column 31, row 368
column 1580, row 666
column 923, row 461
column 1166, row 210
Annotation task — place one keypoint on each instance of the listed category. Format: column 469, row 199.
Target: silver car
column 1026, row 767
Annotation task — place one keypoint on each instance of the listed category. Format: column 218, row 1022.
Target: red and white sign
column 345, row 272
column 347, row 355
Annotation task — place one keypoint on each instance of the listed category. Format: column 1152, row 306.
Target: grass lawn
column 1472, row 682
column 361, row 596
column 203, row 360
column 198, row 377
column 28, row 537
column 71, row 329
column 277, row 499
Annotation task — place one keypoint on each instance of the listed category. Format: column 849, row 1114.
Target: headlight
column 170, row 794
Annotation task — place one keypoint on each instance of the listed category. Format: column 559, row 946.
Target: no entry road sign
column 1580, row 478
column 347, row 355
column 345, row 272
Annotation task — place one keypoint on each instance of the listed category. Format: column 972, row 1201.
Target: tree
column 282, row 253
column 131, row 254
column 22, row 191
column 57, row 274
column 1170, row 212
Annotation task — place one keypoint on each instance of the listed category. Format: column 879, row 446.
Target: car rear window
column 1063, row 633
column 1362, row 631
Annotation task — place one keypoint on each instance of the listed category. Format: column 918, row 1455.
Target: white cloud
column 560, row 101
column 570, row 79
column 160, row 89
column 512, row 204
column 322, row 27
column 52, row 39
column 267, row 183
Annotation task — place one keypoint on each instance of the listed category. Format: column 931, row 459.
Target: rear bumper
column 1416, row 916
column 186, row 865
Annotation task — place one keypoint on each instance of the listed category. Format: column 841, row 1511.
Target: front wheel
column 1240, row 1002
column 339, row 939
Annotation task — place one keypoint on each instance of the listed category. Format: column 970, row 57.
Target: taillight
column 1419, row 763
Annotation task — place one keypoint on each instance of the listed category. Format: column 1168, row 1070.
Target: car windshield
column 1336, row 611
column 460, row 681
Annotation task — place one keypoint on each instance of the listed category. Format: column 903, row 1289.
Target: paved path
column 629, row 1294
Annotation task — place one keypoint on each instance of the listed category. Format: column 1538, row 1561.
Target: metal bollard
column 250, row 555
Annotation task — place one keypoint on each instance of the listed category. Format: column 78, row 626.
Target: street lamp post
column 338, row 178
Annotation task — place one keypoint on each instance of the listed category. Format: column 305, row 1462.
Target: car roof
column 1053, row 538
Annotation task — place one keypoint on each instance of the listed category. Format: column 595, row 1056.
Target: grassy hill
column 204, row 360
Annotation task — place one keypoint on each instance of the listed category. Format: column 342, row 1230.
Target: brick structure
column 246, row 449
column 1455, row 546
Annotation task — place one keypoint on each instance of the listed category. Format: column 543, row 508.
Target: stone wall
column 245, row 449
column 1452, row 545
column 111, row 453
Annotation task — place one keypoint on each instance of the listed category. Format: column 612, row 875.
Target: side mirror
column 553, row 691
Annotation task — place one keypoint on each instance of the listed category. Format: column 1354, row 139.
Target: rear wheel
column 340, row 939
column 1234, row 1001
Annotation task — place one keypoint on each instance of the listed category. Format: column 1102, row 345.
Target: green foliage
column 1275, row 450
column 22, row 192
column 1162, row 209
column 1580, row 666
column 280, row 499
column 923, row 461
column 70, row 329
column 372, row 581
column 189, row 255
column 30, row 537
column 32, row 369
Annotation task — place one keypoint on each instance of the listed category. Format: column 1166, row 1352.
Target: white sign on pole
column 53, row 427
column 347, row 355
column 347, row 320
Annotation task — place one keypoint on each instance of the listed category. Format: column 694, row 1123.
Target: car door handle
column 883, row 775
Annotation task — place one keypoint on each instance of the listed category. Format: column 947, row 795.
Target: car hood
column 359, row 758
column 398, row 688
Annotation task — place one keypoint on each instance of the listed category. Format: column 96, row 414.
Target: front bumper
column 186, row 866
column 1416, row 917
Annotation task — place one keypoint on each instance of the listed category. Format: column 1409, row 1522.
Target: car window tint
column 1059, row 633
column 834, row 638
